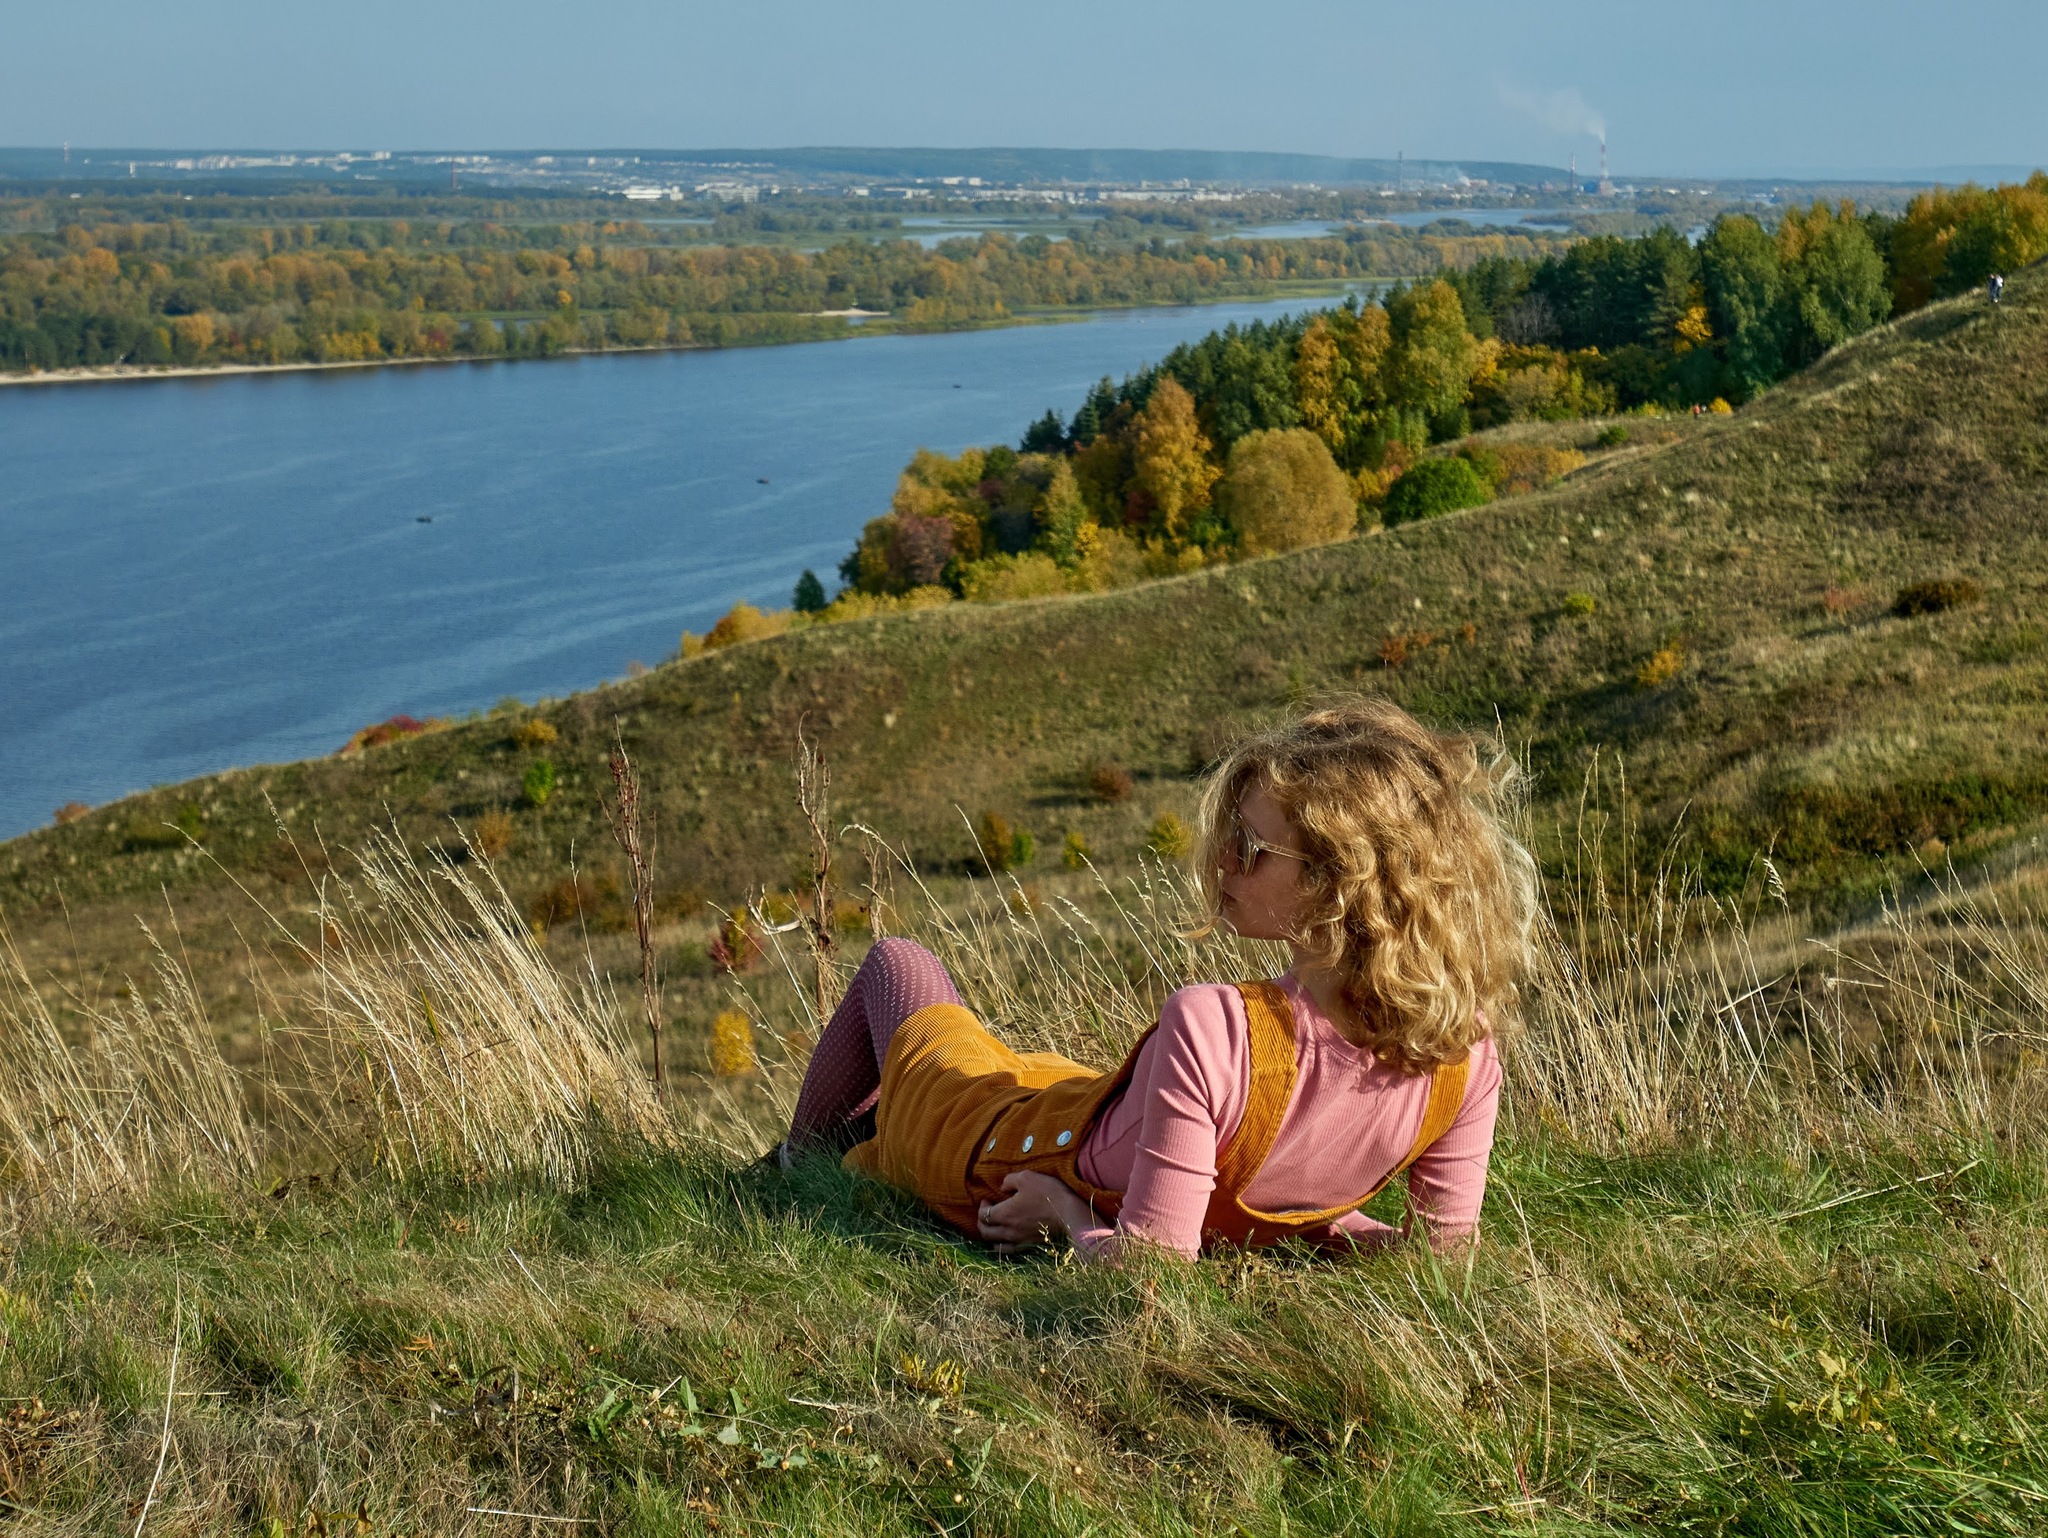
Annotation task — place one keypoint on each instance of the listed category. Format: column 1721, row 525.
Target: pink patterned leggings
column 835, row 1107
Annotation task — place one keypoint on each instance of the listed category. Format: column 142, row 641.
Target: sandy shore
column 118, row 372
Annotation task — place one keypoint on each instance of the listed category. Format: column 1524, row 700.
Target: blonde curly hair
column 1417, row 896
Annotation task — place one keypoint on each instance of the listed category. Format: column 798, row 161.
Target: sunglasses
column 1247, row 846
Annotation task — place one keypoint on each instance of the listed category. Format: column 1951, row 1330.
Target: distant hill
column 1053, row 165
column 1248, row 168
column 1719, row 611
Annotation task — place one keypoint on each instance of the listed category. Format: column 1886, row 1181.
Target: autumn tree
column 1952, row 239
column 1432, row 358
column 1170, row 460
column 1323, row 387
column 1060, row 514
column 1837, row 285
column 1283, row 491
column 1744, row 286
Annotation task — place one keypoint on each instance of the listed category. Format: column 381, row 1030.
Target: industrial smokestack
column 1606, row 184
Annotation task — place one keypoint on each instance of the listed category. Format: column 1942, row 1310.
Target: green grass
column 1747, row 1265
column 1656, row 1343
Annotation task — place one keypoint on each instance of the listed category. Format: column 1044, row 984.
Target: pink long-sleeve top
column 1349, row 1121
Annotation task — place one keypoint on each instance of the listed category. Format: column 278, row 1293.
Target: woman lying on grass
column 1251, row 1113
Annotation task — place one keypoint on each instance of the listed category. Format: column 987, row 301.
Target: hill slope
column 1756, row 561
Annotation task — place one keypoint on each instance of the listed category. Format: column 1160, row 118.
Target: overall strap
column 1270, row 1040
column 1446, row 1098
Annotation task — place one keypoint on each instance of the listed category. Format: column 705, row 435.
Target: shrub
column 1106, row 782
column 1492, row 469
column 1109, row 558
column 742, row 622
column 1612, row 436
column 1661, row 666
column 393, row 730
column 1000, row 846
column 1433, row 488
column 538, row 784
column 1397, row 649
column 1169, row 837
column 1721, row 408
column 1075, row 853
column 1283, row 491
column 854, row 604
column 70, row 812
column 1533, row 466
column 492, row 834
column 1934, row 597
column 732, row 1045
column 735, row 947
column 535, row 733
column 1001, row 577
column 1580, row 605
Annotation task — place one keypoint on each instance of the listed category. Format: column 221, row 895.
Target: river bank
column 856, row 323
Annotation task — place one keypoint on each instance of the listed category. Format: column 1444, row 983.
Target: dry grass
column 1752, row 1266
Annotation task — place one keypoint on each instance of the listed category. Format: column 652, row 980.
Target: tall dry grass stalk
column 623, row 818
column 469, row 1051
column 137, row 1099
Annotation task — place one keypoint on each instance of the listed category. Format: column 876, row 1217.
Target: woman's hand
column 1038, row 1208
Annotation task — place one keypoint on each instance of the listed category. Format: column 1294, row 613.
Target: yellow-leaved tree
column 1283, row 491
column 1170, row 459
column 1320, row 377
column 1340, row 383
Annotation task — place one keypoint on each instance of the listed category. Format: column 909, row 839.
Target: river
column 206, row 572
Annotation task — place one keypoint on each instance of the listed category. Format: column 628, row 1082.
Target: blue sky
column 1709, row 87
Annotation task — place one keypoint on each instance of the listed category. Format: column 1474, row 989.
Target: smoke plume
column 1563, row 112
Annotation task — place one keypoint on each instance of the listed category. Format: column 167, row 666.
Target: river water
column 200, row 573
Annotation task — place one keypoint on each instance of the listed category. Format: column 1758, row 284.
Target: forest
column 1301, row 431
column 164, row 293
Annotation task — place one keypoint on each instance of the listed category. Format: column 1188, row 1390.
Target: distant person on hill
column 1255, row 1112
column 1997, row 287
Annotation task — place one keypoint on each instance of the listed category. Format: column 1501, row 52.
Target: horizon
column 1675, row 95
column 78, row 154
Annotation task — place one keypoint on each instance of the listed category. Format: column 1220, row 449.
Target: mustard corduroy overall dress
column 958, row 1111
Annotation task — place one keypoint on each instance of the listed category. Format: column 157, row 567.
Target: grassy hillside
column 415, row 1249
column 1739, row 1275
column 1717, row 611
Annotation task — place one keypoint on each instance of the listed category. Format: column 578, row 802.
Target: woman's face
column 1265, row 904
